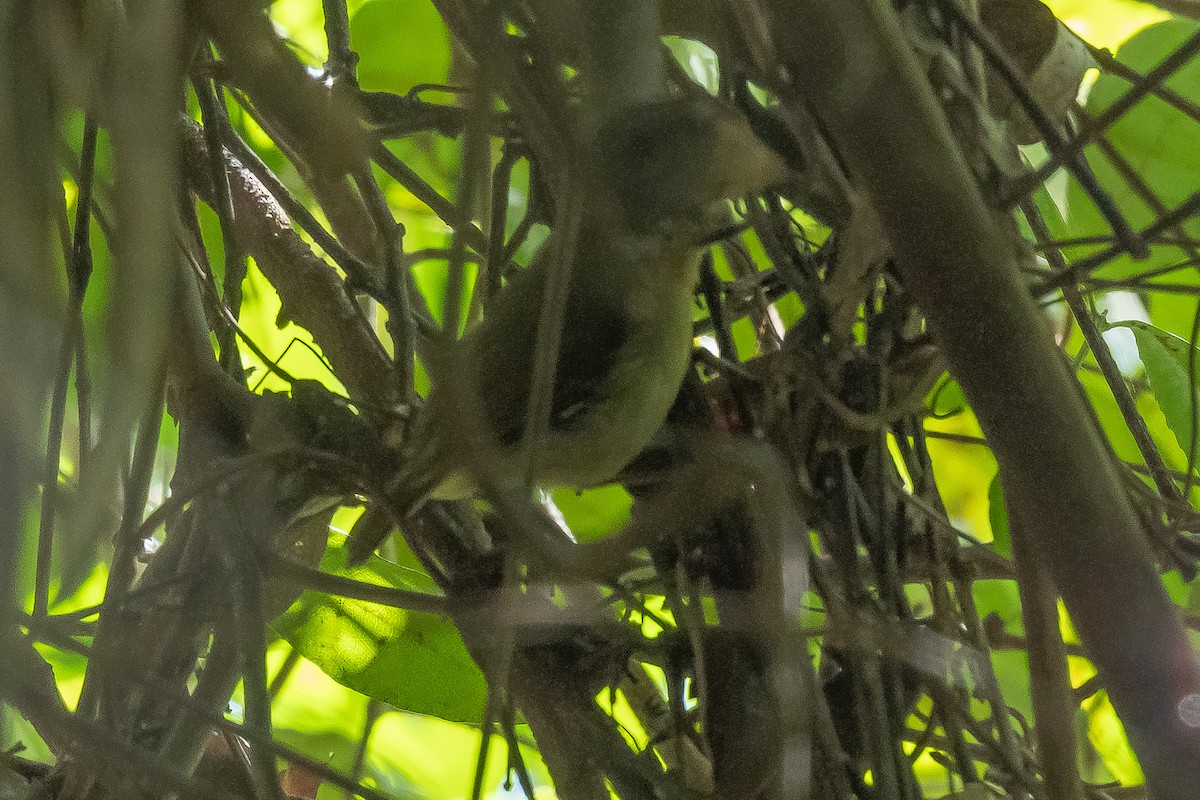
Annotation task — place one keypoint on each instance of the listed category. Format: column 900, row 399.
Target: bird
column 660, row 167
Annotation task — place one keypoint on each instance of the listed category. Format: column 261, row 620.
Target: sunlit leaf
column 1107, row 735
column 963, row 471
column 1106, row 23
column 411, row 660
column 593, row 513
column 400, row 43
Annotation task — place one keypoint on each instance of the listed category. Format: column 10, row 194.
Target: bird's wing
column 598, row 330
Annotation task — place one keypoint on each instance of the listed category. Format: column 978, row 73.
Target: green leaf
column 1108, row 736
column 400, row 43
column 411, row 660
column 1161, row 144
column 998, row 516
column 1165, row 357
column 947, row 398
column 1108, row 413
column 594, row 513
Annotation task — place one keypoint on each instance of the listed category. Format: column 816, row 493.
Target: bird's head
column 671, row 160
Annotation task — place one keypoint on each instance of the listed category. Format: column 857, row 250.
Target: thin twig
column 71, row 348
column 1058, row 144
column 1080, row 268
column 375, row 710
column 314, row 580
column 342, row 64
column 50, row 469
column 420, row 189
column 1108, row 365
column 81, row 257
column 476, row 162
column 244, row 581
column 493, row 266
column 1102, row 121
column 127, row 546
column 1109, row 64
column 216, row 127
column 550, row 326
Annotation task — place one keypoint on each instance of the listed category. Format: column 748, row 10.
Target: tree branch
column 312, row 293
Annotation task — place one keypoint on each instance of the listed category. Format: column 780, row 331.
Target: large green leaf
column 411, row 660
column 1165, row 357
column 1161, row 144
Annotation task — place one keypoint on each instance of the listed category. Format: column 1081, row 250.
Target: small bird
column 627, row 327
